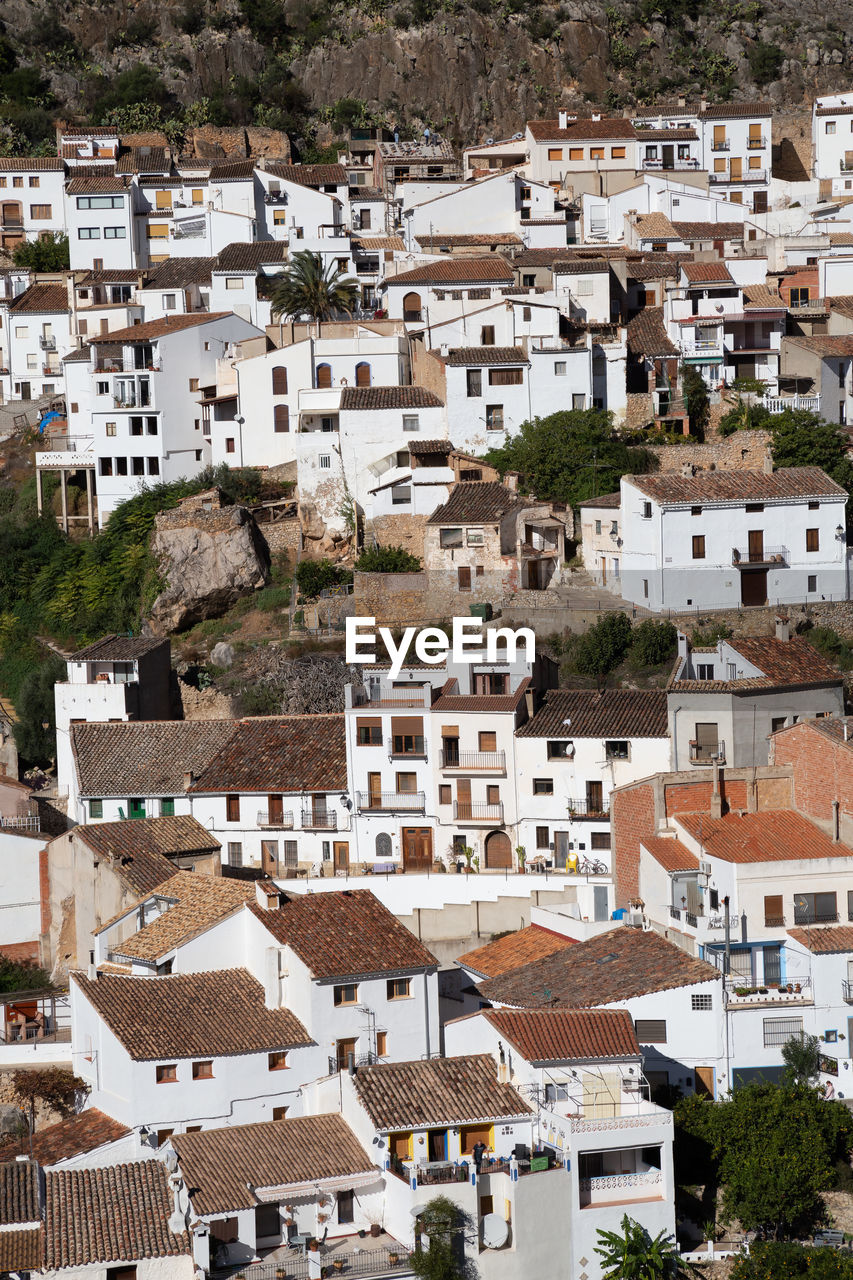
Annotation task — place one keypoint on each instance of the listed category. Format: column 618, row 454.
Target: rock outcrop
column 208, row 559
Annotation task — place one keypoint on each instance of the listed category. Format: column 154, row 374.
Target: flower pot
column 375, row 1229
column 362, row 1233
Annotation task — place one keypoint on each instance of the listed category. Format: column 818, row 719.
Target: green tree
column 55, row 1088
column 765, row 61
column 569, row 456
column 314, row 576
column 307, row 288
column 139, row 84
column 597, row 651
column 697, row 400
column 387, row 560
column 653, row 643
column 49, row 254
column 35, row 707
column 801, row 1056
column 634, row 1255
column 21, row 975
column 775, row 1260
column 799, row 438
column 444, row 1224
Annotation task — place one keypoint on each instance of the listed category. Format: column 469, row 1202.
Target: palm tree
column 306, row 288
column 634, row 1255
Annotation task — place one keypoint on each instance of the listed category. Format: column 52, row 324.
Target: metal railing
column 721, row 146
column 706, row 752
column 121, row 364
column 413, row 317
column 319, row 820
column 754, row 144
column 20, row 822
column 397, row 750
column 361, row 698
column 815, row 917
column 847, row 991
column 485, row 761
column 671, row 164
column 748, row 175
column 389, row 801
column 47, row 344
column 774, row 922
column 589, row 808
column 767, row 555
column 463, row 811
column 282, row 820
column 360, row 1262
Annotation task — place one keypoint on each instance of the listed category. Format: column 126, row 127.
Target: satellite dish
column 495, row 1231
column 517, row 136
column 489, row 142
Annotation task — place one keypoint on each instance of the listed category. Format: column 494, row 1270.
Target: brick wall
column 695, row 797
column 428, row 371
column 632, row 816
column 823, row 771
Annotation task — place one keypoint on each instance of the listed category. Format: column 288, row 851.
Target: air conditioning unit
column 705, row 868
column 631, row 1085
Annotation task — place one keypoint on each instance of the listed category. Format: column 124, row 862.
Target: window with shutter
column 279, row 380
column 774, row 913
column 651, row 1030
column 281, row 418
column 362, row 374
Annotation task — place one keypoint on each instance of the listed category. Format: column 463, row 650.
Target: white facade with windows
column 832, row 140
column 31, row 199
column 99, row 218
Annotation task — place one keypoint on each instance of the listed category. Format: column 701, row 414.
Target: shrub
column 765, row 61
column 387, row 560
column 603, row 647
column 271, row 598
column 314, row 576
column 49, row 254
column 653, row 643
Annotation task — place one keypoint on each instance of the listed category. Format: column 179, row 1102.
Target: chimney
column 682, row 102
column 528, row 698
column 703, row 104
column 783, row 630
column 563, row 119
column 272, row 985
column 511, row 481
column 683, row 649
column 189, row 778
column 767, row 465
column 716, row 795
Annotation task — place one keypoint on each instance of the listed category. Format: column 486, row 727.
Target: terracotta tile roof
column 345, row 933
column 465, row 241
column 201, row 901
column 670, row 854
column 738, row 486
column 147, row 138
column 773, row 835
column 567, row 1035
column 22, row 1250
column 113, row 648
column 794, row 661
column 438, row 1091
column 127, row 275
column 825, row 942
column 825, row 344
column 736, row 110
column 75, row 1136
column 486, row 355
column 311, row 175
column 151, row 329
column 492, row 270
column 89, row 131
column 707, row 273
column 141, row 868
column 581, row 129
column 647, row 336
column 232, row 171
column 607, row 502
column 609, row 969
column 710, row 230
column 218, row 1164
column 758, row 297
column 144, row 160
column 664, row 266
column 834, row 727
column 252, row 256
column 581, row 266
column 366, row 195
column 476, row 502
column 191, row 1015
column 376, row 398
column 379, row 242
column 19, row 1192
column 118, row 1214
column 655, row 226
column 513, row 951
column 99, row 170
column 31, row 164
column 608, row 713
column 279, row 754
column 177, row 273
column 666, row 135
column 450, row 699
column 41, row 298
column 107, row 185
column 418, row 448
column 139, row 758
column 179, row 833
column 834, row 111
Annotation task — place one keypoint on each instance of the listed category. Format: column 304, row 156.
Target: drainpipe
column 426, row 1015
column 835, row 822
column 675, row 739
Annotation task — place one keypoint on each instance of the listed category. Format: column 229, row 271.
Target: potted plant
column 393, row 1258
column 375, row 1229
column 476, row 865
column 338, row 1264
column 468, row 854
column 361, row 1233
column 521, row 855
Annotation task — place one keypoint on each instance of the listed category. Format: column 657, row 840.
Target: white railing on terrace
column 778, row 404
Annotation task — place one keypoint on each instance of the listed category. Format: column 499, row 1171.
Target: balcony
column 319, row 820
column 749, row 558
column 721, row 145
column 51, row 371
column 748, row 175
column 339, row 1257
column 19, row 822
column 845, row 166
column 473, row 761
column 755, row 144
column 413, row 317
column 47, row 344
column 740, row 993
column 466, row 811
column 391, row 801
column 620, row 1188
column 806, row 918
column 399, row 748
column 683, row 916
column 590, row 807
column 778, row 404
column 703, row 349
column 275, row 197
column 415, row 698
column 280, row 821
column 707, row 752
column 671, row 165
column 123, row 364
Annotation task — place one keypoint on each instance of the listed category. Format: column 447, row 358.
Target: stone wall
column 206, row 704
column 392, row 598
column 282, row 536
column 401, row 531
column 741, row 451
column 756, row 621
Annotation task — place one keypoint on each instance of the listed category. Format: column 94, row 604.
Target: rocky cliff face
column 470, row 69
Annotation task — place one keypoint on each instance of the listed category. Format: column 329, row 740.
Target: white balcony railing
column 778, row 404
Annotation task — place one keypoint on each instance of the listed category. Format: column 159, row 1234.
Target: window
column 647, row 511
column 325, row 461
column 829, row 127
column 799, row 295
column 345, row 993
column 167, row 807
column 381, row 1052
column 450, row 538
column 555, row 153
column 235, row 853
column 774, row 911
column 698, row 546
column 100, row 202
column 121, row 466
column 576, row 153
column 559, row 750
column 494, row 417
column 137, row 466
column 281, row 418
column 617, row 153
column 526, row 313
column 487, row 740
column 203, row 1070
column 115, row 233
column 651, row 1030
column 369, row 733
column 157, row 231
column 40, row 212
column 233, row 282
column 778, row 1030
column 169, row 302
column 705, row 671
column 96, row 808
column 290, row 853
column 279, row 380
column 487, row 335
column 542, row 841
column 596, row 153
column 399, row 988
column 232, row 808
column 474, row 382
column 702, row 1002
column 411, row 422
column 167, row 1073
column 445, row 794
column 279, row 1113
column 812, row 540
column 559, row 368
column 230, row 444
column 600, row 840
column 136, row 808
column 506, row 377
column 616, row 749
column 815, row 908
column 850, row 904
column 153, row 466
column 277, row 1061
column 106, row 466
column 543, row 786
column 811, row 582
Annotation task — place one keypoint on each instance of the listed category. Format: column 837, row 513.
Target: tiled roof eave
column 379, row 973
column 443, row 1122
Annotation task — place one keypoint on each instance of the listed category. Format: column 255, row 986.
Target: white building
column 832, row 141
column 573, row 155
column 737, row 143
column 99, row 219
column 730, row 538
column 32, row 203
column 38, row 333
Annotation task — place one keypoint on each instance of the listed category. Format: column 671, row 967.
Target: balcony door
column 269, row 857
column 275, row 805
column 736, row 169
column 319, row 811
column 595, row 797
column 463, row 798
column 374, row 790
column 756, row 546
column 341, row 855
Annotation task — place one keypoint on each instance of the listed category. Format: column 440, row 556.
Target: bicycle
column 591, row 867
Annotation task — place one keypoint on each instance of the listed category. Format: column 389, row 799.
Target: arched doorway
column 362, row 374
column 324, row 375
column 498, row 851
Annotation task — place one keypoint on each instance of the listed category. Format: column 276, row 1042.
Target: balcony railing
column 391, row 801
column 319, row 820
column 744, row 557
column 847, row 991
column 707, row 752
column 47, row 344
column 413, row 317
column 294, row 1265
column 845, row 166
column 774, row 922
column 465, row 811
column 669, row 165
column 755, row 144
column 721, row 146
column 473, row 761
column 710, row 348
column 19, row 822
column 778, row 404
column 361, row 698
column 748, row 175
column 815, row 917
column 284, row 821
column 590, row 807
column 120, row 364
column 688, row 917
column 399, row 749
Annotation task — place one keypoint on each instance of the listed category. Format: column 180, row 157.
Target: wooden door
column 269, row 857
column 324, row 375
column 604, row 570
column 319, row 811
column 705, row 1081
column 463, row 798
column 595, row 797
column 463, row 574
column 498, row 851
column 437, row 1144
column 343, row 1049
column 374, row 790
column 668, row 155
column 561, row 849
column 756, row 546
column 753, row 587
column 275, row 810
column 401, row 1145
column 534, row 582
column 417, row 848
column 735, row 168
column 341, row 855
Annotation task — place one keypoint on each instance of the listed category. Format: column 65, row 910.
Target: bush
column 765, row 62
column 387, row 560
column 50, row 254
column 603, row 647
column 781, row 1260
column 314, row 576
column 21, row 975
column 35, row 707
column 708, row 639
column 653, row 643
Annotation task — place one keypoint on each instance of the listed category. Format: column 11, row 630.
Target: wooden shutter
column 407, row 725
column 464, row 577
column 362, row 375
column 324, row 375
column 281, row 417
column 754, row 132
column 773, row 909
column 279, row 380
column 651, row 1030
